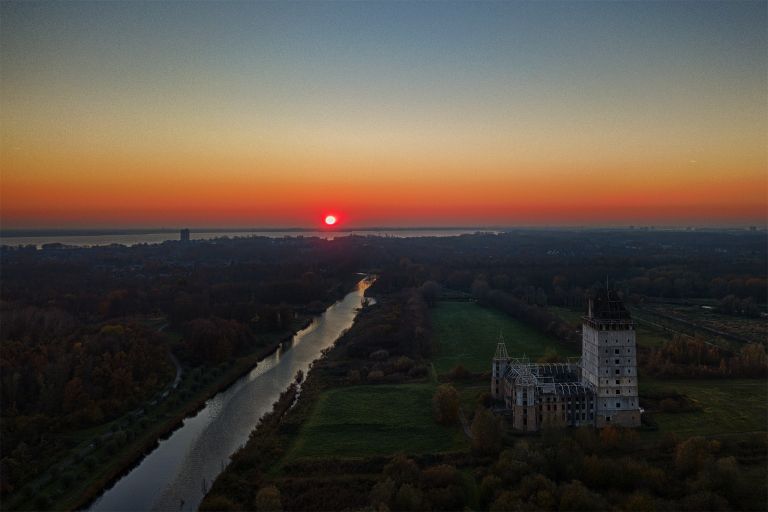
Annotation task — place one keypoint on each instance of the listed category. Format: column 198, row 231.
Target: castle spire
column 501, row 349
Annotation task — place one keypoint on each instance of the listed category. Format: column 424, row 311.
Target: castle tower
column 498, row 369
column 609, row 360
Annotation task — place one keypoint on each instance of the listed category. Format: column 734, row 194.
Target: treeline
column 693, row 357
column 537, row 316
column 58, row 375
column 559, row 268
column 732, row 305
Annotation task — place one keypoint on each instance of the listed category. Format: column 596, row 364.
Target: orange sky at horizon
column 417, row 114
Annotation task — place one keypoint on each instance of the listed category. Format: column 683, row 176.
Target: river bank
column 132, row 454
column 177, row 472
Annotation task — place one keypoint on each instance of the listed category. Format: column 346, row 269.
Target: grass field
column 375, row 420
column 728, row 406
column 752, row 329
column 467, row 334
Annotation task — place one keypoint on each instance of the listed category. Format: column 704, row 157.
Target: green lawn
column 470, row 393
column 375, row 420
column 728, row 406
column 467, row 334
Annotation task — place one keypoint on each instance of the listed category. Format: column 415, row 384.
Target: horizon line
column 85, row 231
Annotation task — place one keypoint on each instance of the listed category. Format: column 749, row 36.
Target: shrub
column 268, row 499
column 445, row 404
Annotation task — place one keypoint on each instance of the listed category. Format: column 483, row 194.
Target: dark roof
column 607, row 305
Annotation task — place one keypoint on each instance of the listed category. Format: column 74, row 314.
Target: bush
column 486, row 432
column 445, row 404
column 268, row 499
column 692, row 454
column 459, row 373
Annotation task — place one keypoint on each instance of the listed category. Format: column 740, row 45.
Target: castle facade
column 598, row 389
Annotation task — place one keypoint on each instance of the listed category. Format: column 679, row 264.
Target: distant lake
column 133, row 238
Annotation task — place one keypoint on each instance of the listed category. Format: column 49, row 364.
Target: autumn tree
column 445, row 404
column 692, row 454
column 268, row 499
column 401, row 469
column 486, row 432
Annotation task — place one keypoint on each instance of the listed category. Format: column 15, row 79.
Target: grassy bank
column 723, row 406
column 361, row 421
column 467, row 334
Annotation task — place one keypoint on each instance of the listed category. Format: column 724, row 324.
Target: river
column 198, row 451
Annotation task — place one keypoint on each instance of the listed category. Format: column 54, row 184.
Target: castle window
column 615, row 361
column 615, row 351
column 618, row 405
column 618, row 371
column 618, row 391
column 607, row 419
column 618, row 381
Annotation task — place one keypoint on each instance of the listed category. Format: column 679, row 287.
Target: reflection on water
column 174, row 475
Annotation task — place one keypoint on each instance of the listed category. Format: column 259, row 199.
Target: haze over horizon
column 149, row 114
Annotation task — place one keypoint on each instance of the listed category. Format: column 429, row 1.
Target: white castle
column 598, row 389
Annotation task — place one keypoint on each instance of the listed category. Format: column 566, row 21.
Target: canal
column 176, row 473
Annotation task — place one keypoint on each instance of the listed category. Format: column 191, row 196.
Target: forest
column 89, row 336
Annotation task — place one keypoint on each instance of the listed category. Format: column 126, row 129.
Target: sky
column 256, row 114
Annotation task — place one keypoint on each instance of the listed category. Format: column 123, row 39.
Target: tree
column 574, row 497
column 486, row 432
column 640, row 502
column 430, row 291
column 692, row 454
column 489, row 487
column 382, row 492
column 408, row 498
column 401, row 469
column 268, row 499
column 445, row 404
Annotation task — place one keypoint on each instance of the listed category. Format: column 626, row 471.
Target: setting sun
column 330, row 220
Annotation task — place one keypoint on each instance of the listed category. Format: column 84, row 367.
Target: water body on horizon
column 130, row 239
column 175, row 474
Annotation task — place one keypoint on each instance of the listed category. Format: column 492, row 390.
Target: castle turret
column 499, row 367
column 609, row 360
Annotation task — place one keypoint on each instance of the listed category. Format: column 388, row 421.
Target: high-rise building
column 184, row 235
